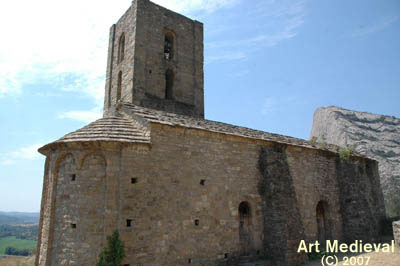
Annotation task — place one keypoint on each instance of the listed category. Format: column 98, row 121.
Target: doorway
column 322, row 221
column 245, row 229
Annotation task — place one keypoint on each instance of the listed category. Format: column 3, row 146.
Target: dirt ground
column 371, row 259
column 375, row 259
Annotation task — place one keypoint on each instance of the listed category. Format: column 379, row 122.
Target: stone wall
column 74, row 210
column 189, row 177
column 315, row 181
column 176, row 201
column 283, row 227
column 125, row 26
column 396, row 232
column 361, row 200
column 79, row 215
column 44, row 222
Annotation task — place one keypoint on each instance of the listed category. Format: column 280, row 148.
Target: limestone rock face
column 373, row 135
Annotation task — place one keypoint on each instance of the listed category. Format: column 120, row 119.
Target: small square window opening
column 128, row 222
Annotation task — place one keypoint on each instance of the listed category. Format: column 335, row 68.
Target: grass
column 17, row 261
column 16, row 243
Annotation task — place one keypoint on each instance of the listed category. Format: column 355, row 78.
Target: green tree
column 113, row 253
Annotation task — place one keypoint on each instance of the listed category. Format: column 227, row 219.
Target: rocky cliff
column 375, row 136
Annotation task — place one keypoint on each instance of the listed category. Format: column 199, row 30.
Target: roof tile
column 109, row 128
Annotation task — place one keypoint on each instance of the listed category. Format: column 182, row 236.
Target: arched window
column 168, row 46
column 109, row 95
column 169, row 83
column 119, row 85
column 121, row 47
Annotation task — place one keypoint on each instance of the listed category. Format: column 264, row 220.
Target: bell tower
column 155, row 60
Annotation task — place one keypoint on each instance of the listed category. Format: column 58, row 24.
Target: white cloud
column 225, row 57
column 47, row 39
column 239, row 74
column 196, row 5
column 283, row 18
column 82, row 115
column 7, row 162
column 263, row 40
column 281, row 21
column 24, row 153
column 269, row 106
column 376, row 27
column 28, row 152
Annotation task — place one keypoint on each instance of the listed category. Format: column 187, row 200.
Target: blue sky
column 268, row 65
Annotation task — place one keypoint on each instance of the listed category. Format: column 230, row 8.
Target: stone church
column 183, row 190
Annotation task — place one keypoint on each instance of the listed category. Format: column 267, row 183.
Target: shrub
column 344, row 154
column 113, row 253
column 17, row 251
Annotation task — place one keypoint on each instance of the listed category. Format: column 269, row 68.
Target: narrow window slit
column 119, row 86
column 169, row 83
column 73, row 177
column 196, row 222
column 128, row 222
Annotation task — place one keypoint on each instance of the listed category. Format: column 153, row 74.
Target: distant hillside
column 18, row 230
column 13, row 218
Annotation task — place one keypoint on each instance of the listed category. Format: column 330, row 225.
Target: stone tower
column 155, row 60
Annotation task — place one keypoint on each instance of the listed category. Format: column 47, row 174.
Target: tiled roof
column 127, row 126
column 110, row 128
column 163, row 117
